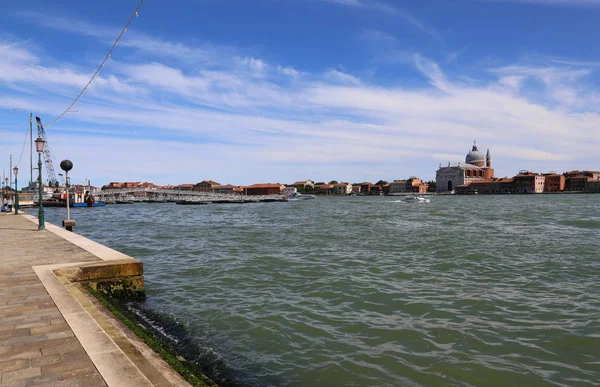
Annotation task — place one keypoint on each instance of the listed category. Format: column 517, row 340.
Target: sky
column 257, row 91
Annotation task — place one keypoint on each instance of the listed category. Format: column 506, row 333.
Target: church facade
column 475, row 168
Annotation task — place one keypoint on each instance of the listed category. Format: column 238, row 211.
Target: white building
column 289, row 191
column 476, row 168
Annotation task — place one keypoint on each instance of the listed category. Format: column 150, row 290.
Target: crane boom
column 51, row 175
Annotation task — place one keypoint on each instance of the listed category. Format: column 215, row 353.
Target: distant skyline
column 247, row 92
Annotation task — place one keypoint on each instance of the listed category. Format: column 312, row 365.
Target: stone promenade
column 52, row 333
column 37, row 347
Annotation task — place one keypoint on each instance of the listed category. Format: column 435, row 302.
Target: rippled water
column 369, row 291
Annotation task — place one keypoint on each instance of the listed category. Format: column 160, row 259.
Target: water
column 369, row 291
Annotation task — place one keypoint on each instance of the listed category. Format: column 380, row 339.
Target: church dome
column 475, row 156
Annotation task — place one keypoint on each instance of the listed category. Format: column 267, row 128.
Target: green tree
column 333, row 182
column 381, row 183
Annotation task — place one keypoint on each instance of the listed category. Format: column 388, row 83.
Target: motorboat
column 299, row 196
column 416, row 199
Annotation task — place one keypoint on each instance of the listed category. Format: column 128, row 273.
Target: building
column 119, row 185
column 343, row 188
column 206, row 186
column 325, row 189
column 411, row 185
column 264, row 189
column 476, row 167
column 593, row 186
column 304, row 185
column 289, row 191
column 528, row 182
column 365, row 188
column 223, row 189
column 554, row 182
column 577, row 183
column 184, row 187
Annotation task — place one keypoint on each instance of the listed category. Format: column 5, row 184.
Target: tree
column 381, row 183
column 333, row 182
column 320, row 183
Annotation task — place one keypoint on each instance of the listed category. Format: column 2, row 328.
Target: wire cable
column 134, row 14
column 23, row 148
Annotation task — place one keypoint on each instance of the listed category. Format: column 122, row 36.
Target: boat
column 415, row 199
column 299, row 196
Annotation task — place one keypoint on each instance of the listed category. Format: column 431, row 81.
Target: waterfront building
column 528, row 182
column 264, row 189
column 411, row 185
column 289, row 191
column 554, row 182
column 343, row 188
column 355, row 188
column 304, row 184
column 578, row 181
column 325, row 189
column 365, row 188
column 593, row 186
column 375, row 190
column 206, row 186
column 184, row 187
column 223, row 189
column 120, row 185
column 476, row 167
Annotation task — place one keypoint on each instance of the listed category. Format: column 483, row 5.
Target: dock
column 52, row 332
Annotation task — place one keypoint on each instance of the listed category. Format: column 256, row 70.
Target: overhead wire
column 23, row 148
column 134, row 14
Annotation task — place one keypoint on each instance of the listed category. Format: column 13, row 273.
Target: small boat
column 299, row 196
column 416, row 199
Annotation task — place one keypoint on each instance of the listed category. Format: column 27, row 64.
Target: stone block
column 13, row 365
column 103, row 270
column 25, row 373
column 46, row 360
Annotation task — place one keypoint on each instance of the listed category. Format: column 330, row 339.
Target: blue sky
column 243, row 91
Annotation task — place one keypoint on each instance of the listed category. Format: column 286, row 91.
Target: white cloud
column 289, row 71
column 392, row 11
column 242, row 127
column 336, row 76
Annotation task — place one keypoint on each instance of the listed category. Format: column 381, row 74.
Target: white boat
column 416, row 199
column 299, row 196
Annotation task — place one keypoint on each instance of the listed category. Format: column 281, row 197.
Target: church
column 476, row 168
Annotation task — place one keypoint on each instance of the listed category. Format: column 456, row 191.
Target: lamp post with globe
column 16, row 171
column 67, row 165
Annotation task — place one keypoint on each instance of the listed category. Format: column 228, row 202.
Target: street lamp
column 5, row 188
column 67, row 165
column 16, row 171
column 39, row 147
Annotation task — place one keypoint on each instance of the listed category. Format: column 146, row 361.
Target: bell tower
column 488, row 159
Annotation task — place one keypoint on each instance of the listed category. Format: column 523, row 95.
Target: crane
column 52, row 181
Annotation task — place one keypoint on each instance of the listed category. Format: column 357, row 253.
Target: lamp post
column 16, row 171
column 67, row 165
column 5, row 188
column 39, row 147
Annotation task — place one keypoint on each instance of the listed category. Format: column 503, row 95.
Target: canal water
column 371, row 291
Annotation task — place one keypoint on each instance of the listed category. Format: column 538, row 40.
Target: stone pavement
column 37, row 346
